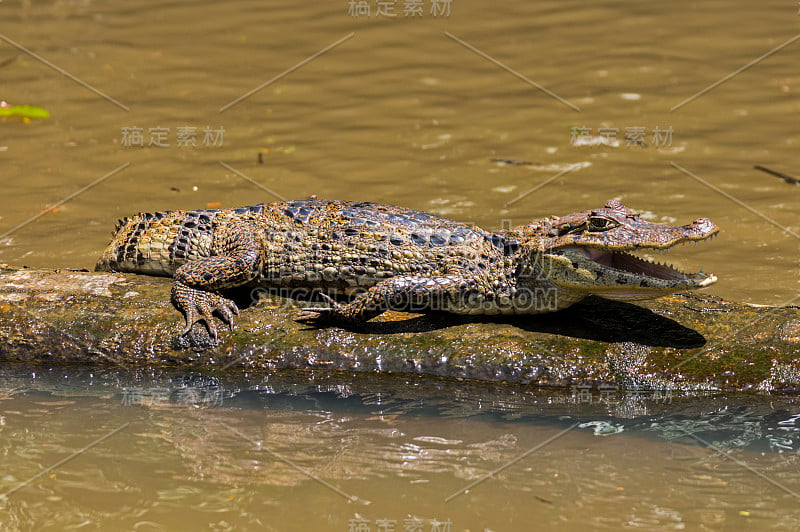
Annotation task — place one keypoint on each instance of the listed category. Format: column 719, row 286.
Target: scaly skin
column 386, row 257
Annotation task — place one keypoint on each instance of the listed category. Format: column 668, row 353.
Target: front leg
column 237, row 259
column 404, row 294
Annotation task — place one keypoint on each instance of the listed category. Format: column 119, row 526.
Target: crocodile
column 365, row 258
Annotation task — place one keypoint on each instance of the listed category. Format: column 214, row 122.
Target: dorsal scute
column 120, row 224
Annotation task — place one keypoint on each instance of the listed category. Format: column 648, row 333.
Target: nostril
column 704, row 225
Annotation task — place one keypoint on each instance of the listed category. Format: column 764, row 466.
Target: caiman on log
column 375, row 257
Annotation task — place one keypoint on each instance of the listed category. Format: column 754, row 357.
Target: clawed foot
column 319, row 315
column 199, row 306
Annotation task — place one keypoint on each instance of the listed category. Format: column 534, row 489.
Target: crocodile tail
column 120, row 224
column 157, row 243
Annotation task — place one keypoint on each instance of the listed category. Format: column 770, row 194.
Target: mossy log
column 686, row 341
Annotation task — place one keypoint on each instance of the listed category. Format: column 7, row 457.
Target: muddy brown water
column 319, row 451
column 401, row 110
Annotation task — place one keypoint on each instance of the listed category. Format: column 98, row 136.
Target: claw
column 226, row 316
column 199, row 306
column 314, row 315
column 226, row 310
column 212, row 329
column 191, row 319
column 319, row 315
column 329, row 299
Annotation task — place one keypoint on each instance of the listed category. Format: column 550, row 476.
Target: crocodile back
column 337, row 245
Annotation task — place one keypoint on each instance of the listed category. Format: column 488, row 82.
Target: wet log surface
column 688, row 341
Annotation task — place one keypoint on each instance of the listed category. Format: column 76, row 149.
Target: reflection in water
column 293, row 450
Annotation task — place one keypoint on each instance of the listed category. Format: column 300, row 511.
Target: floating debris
column 511, row 162
column 789, row 179
column 505, row 189
column 602, row 428
column 25, row 111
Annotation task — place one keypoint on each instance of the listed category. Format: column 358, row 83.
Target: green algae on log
column 687, row 341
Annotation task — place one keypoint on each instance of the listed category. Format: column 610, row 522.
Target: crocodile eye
column 598, row 223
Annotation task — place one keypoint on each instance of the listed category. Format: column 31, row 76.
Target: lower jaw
column 628, row 294
column 636, row 295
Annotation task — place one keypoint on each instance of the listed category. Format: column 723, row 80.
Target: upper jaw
column 632, row 233
column 640, row 234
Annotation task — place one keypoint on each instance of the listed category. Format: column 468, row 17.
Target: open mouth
column 631, row 264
